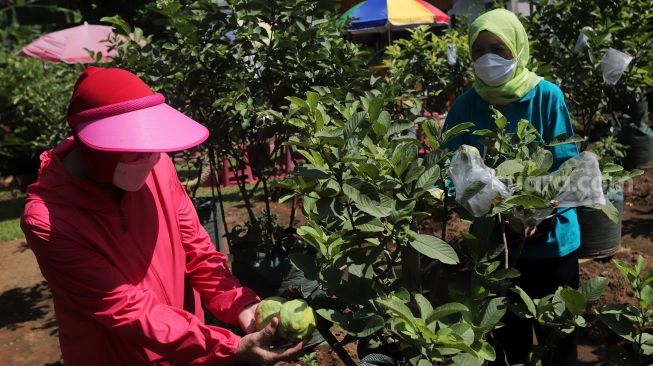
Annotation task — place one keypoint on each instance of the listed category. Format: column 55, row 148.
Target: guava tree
column 365, row 191
column 435, row 66
column 556, row 27
column 231, row 66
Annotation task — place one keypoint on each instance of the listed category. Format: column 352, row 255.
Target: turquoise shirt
column 544, row 106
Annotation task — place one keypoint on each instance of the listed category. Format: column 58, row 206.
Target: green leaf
column 501, row 123
column 118, row 22
column 369, row 224
column 593, row 288
column 398, row 308
column 610, row 211
column 413, row 172
column 446, row 310
column 472, row 190
column 428, row 178
column 526, row 201
column 562, row 140
column 312, row 99
column 464, row 331
column 612, row 168
column 313, row 237
column 305, row 263
column 424, row 306
column 367, row 199
column 403, row 154
column 486, row 133
column 528, row 302
column 352, row 124
column 299, row 103
column 435, row 248
column 509, row 168
column 543, row 159
column 492, row 312
column 574, row 300
column 465, row 359
column 456, row 130
column 374, row 108
column 621, row 319
column 522, row 128
column 382, row 124
column 331, row 136
column 311, row 173
column 646, row 296
column 485, row 350
column 398, row 126
column 373, row 324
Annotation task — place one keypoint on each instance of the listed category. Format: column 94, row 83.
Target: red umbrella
column 70, row 45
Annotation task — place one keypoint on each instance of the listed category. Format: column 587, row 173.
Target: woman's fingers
column 288, row 352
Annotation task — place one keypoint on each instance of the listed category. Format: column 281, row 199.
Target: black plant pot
column 600, row 237
column 639, row 138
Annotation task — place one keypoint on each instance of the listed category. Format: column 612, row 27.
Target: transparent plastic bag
column 466, row 169
column 452, row 54
column 534, row 218
column 584, row 186
column 581, row 43
column 614, row 64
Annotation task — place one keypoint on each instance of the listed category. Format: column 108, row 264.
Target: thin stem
column 267, row 207
column 325, row 331
column 521, row 246
column 392, row 261
column 242, row 186
column 506, row 256
column 292, row 212
column 446, row 214
column 215, row 180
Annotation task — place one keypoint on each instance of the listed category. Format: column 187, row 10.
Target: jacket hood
column 56, row 186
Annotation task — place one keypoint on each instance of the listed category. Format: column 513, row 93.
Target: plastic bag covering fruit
column 467, row 168
column 266, row 310
column 296, row 320
column 614, row 64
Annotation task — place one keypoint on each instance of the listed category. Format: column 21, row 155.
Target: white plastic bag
column 581, row 43
column 614, row 64
column 535, row 217
column 452, row 54
column 584, row 187
column 466, row 169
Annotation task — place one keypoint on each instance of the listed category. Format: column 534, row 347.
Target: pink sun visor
column 145, row 124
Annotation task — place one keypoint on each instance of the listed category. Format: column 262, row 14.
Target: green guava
column 296, row 320
column 266, row 310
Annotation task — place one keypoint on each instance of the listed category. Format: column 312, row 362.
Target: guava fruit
column 266, row 310
column 296, row 320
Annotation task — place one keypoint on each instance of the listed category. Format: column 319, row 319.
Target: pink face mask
column 131, row 176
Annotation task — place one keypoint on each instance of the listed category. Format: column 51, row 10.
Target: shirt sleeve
column 206, row 268
column 88, row 282
column 559, row 123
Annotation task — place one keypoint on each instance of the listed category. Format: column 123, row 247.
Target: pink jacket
column 121, row 276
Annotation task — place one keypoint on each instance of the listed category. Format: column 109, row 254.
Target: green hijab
column 505, row 25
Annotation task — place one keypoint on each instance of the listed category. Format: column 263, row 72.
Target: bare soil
column 28, row 329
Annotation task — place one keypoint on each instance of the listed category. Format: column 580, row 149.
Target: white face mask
column 131, row 176
column 493, row 69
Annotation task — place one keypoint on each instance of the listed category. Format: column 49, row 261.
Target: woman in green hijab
column 500, row 51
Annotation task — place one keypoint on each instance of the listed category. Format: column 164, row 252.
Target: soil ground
column 28, row 329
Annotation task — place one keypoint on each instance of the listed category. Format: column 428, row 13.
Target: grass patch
column 10, row 210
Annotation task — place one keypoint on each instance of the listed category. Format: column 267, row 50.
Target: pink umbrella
column 69, row 45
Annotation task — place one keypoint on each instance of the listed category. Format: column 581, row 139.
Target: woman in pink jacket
column 120, row 243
